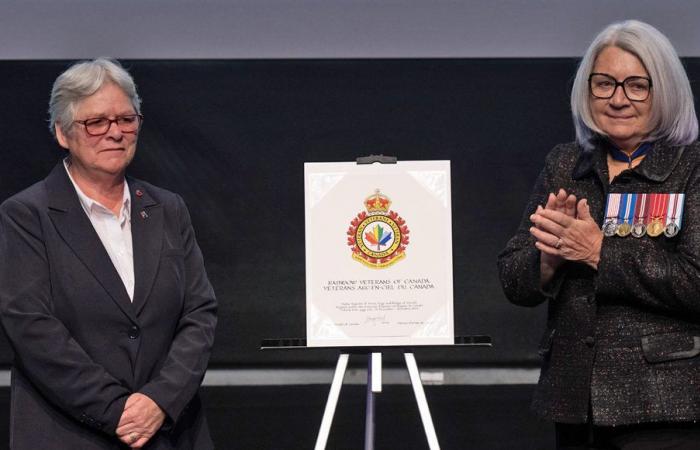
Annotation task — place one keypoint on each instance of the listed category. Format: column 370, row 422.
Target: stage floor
column 288, row 417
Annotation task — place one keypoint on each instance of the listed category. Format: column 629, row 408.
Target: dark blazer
column 624, row 339
column 81, row 346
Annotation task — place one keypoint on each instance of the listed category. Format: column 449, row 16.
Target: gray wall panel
column 155, row 29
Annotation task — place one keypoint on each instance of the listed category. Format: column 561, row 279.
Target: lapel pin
column 139, row 193
column 144, row 214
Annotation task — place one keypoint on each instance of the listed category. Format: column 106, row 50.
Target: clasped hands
column 565, row 231
column 141, row 419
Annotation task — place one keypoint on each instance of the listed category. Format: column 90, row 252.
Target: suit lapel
column 77, row 231
column 147, row 236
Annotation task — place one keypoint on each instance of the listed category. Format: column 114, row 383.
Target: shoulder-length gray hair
column 82, row 80
column 672, row 110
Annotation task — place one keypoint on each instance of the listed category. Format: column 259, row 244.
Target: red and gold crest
column 378, row 236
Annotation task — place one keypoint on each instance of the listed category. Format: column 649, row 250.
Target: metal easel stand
column 374, row 386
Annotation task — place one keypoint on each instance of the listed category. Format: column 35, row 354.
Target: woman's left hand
column 141, row 419
column 572, row 238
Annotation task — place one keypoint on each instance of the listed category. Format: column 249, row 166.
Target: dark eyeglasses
column 636, row 89
column 100, row 125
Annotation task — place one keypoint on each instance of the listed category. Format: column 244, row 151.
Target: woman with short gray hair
column 82, row 80
column 103, row 293
column 611, row 240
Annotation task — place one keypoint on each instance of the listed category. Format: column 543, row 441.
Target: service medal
column 655, row 228
column 624, row 229
column 659, row 205
column 639, row 230
column 612, row 208
column 610, row 228
column 627, row 206
column 671, row 230
column 675, row 212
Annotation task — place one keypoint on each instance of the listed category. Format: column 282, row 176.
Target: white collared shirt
column 114, row 231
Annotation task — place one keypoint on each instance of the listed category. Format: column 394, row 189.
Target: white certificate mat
column 378, row 254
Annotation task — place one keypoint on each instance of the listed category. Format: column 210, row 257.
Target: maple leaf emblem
column 377, row 237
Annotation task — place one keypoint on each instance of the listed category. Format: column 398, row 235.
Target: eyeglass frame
column 620, row 84
column 111, row 121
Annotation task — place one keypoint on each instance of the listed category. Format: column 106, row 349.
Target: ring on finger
column 557, row 245
column 133, row 437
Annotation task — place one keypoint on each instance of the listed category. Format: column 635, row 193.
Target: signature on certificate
column 375, row 320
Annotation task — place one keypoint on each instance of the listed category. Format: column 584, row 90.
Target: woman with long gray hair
column 610, row 239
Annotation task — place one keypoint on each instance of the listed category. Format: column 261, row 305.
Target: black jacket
column 625, row 338
column 81, row 346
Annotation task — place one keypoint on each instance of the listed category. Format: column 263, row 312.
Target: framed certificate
column 378, row 254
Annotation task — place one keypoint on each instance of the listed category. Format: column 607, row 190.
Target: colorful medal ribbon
column 627, row 204
column 639, row 229
column 674, row 214
column 651, row 198
column 611, row 210
column 658, row 215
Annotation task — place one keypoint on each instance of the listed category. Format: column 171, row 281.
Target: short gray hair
column 81, row 80
column 673, row 116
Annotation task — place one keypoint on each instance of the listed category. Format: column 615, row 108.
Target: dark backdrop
column 231, row 137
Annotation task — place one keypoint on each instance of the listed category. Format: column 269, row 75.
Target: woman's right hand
column 564, row 203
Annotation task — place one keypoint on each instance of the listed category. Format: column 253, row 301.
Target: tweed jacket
column 622, row 342
column 81, row 345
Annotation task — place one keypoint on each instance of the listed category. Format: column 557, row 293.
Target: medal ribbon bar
column 611, row 211
column 627, row 203
column 658, row 215
column 639, row 229
column 674, row 214
column 640, row 213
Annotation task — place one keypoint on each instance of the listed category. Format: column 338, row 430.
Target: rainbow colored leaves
column 377, row 236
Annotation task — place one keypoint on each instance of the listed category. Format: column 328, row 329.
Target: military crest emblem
column 378, row 236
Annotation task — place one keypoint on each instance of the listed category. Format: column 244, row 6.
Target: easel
column 374, row 385
column 374, row 378
column 374, row 368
